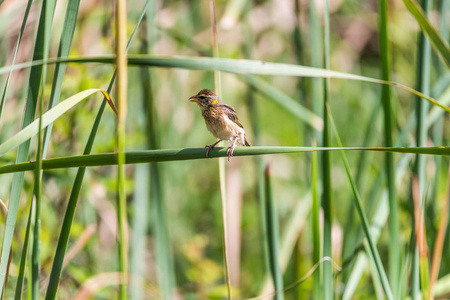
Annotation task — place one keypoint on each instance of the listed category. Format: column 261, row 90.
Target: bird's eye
column 202, row 97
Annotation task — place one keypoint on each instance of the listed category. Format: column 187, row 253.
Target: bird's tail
column 246, row 142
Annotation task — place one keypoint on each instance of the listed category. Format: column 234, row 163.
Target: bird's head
column 205, row 99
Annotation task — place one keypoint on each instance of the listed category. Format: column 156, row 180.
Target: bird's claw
column 209, row 149
column 230, row 151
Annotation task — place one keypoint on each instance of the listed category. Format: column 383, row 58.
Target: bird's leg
column 210, row 147
column 231, row 149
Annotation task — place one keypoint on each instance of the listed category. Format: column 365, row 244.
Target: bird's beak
column 194, row 99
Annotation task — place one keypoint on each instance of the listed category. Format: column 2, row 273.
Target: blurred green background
column 178, row 204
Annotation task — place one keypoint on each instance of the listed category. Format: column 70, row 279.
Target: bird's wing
column 231, row 114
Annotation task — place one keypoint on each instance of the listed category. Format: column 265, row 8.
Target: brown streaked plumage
column 221, row 120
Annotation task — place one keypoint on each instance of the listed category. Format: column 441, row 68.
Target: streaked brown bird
column 221, row 120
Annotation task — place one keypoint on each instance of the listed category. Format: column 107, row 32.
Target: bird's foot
column 209, row 149
column 230, row 151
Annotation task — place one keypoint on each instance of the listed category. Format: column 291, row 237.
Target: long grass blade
column 315, row 34
column 285, row 101
column 227, row 65
column 394, row 247
column 273, row 238
column 47, row 118
column 36, row 246
column 23, row 258
column 438, row 43
column 315, row 224
column 149, row 156
column 326, row 166
column 221, row 161
column 264, row 87
column 42, row 39
column 422, row 107
column 375, row 256
column 289, row 238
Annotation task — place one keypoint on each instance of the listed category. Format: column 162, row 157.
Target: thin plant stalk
column 326, row 168
column 422, row 107
column 317, row 62
column 121, row 95
column 221, row 161
column 394, row 247
column 315, row 225
column 317, row 107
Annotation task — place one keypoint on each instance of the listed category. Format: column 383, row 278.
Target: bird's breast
column 221, row 126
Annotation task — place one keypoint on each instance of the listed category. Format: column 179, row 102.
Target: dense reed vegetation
column 106, row 190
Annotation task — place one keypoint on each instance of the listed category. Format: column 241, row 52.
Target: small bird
column 221, row 120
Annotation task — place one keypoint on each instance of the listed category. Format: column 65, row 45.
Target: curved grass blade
column 149, row 156
column 227, row 65
column 285, row 101
column 47, row 118
column 374, row 255
column 438, row 43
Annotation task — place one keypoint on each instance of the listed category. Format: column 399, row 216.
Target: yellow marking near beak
column 214, row 102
